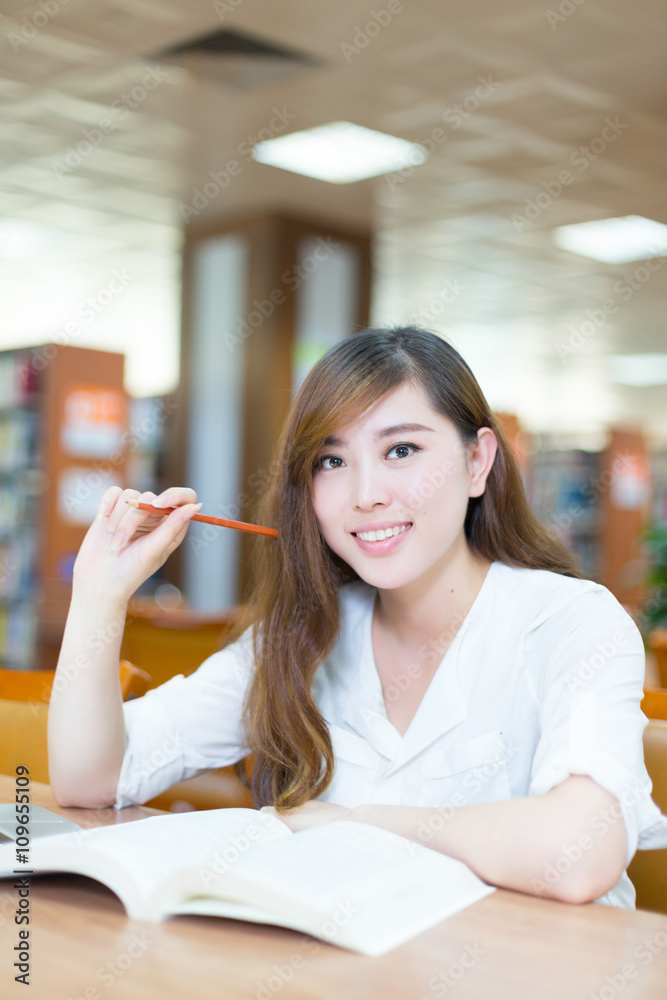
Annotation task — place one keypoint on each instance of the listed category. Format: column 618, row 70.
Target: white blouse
column 542, row 680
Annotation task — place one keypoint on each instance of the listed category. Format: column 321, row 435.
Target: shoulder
column 231, row 665
column 544, row 589
column 538, row 597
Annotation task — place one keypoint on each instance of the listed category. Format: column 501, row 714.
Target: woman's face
column 401, row 469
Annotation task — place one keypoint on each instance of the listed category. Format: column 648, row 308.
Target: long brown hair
column 294, row 609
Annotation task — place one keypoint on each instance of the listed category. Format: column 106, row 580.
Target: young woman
column 420, row 653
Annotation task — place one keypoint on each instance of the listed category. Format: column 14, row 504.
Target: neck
column 435, row 605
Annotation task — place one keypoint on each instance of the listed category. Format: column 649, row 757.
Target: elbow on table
column 77, row 797
column 588, row 884
column 590, row 865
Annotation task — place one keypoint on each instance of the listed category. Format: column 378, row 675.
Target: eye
column 319, row 464
column 403, row 447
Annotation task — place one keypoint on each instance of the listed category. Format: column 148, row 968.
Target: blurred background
column 166, row 284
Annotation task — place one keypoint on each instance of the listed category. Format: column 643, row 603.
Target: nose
column 369, row 487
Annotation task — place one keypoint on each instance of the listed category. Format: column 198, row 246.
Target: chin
column 385, row 577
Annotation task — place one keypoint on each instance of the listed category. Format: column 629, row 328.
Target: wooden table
column 506, row 947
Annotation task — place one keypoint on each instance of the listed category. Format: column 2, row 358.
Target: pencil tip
column 133, row 503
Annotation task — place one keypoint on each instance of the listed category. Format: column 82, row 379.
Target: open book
column 348, row 883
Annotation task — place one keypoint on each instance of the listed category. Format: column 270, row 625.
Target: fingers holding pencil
column 125, row 545
column 122, row 519
column 223, row 522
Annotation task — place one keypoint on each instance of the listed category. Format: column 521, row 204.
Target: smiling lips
column 381, row 534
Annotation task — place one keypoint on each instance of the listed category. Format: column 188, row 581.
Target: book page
column 351, row 883
column 133, row 858
column 319, row 864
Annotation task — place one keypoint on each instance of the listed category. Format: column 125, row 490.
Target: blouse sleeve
column 187, row 726
column 590, row 718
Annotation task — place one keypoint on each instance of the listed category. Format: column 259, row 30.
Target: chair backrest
column 24, row 710
column 35, row 685
column 173, row 641
column 648, row 869
column 657, row 643
column 654, row 703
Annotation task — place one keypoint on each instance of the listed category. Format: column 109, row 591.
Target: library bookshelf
column 63, row 441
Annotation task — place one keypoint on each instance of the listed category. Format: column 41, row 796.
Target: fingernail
column 103, row 509
column 118, row 540
column 190, row 512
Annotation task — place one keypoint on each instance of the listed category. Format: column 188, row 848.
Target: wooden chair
column 648, row 869
column 173, row 641
column 24, row 697
column 657, row 643
column 654, row 703
column 35, row 685
column 24, row 709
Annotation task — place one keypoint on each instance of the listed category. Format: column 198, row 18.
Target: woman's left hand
column 313, row 813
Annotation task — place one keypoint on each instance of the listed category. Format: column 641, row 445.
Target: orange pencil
column 207, row 519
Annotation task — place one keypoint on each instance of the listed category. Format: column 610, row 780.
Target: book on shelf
column 348, row 883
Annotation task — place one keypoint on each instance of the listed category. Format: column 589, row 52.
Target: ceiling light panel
column 339, row 153
column 614, row 241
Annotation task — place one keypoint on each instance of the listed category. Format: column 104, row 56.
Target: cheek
column 324, row 505
column 442, row 487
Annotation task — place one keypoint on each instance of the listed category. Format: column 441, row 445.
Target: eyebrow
column 386, row 432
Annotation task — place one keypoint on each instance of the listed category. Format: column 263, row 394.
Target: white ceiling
column 450, row 247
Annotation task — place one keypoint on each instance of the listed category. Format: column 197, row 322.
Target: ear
column 481, row 459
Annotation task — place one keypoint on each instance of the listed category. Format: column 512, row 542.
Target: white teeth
column 378, row 536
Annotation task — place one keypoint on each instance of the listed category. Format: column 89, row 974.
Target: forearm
column 86, row 730
column 545, row 845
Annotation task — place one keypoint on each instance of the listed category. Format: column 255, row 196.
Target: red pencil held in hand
column 223, row 522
